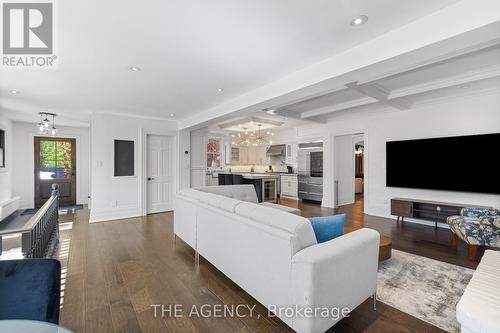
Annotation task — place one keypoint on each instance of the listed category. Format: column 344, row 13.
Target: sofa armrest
column 341, row 273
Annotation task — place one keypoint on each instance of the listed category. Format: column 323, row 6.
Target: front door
column 55, row 164
column 160, row 166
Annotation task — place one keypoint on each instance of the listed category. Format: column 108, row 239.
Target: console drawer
column 401, row 208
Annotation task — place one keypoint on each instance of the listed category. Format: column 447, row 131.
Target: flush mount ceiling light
column 254, row 138
column 135, row 69
column 270, row 111
column 14, row 92
column 46, row 126
column 360, row 20
column 172, row 115
column 220, row 89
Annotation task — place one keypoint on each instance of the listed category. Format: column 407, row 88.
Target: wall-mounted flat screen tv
column 460, row 163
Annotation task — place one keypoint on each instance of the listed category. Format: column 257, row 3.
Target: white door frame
column 81, row 198
column 366, row 157
column 144, row 132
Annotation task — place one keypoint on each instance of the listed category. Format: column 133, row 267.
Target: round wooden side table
column 385, row 249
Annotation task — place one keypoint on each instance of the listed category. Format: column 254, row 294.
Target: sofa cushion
column 296, row 225
column 240, row 192
column 328, row 227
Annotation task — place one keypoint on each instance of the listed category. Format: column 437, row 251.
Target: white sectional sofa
column 478, row 311
column 273, row 255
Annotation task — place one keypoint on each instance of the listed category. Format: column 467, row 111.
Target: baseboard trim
column 111, row 215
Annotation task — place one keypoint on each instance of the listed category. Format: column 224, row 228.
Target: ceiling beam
column 455, row 80
column 338, row 107
column 426, row 32
column 295, row 115
column 380, row 93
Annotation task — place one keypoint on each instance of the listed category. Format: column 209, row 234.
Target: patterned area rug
column 424, row 288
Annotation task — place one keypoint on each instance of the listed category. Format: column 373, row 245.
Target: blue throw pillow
column 328, row 227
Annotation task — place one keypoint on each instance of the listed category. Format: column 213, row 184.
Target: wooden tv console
column 426, row 210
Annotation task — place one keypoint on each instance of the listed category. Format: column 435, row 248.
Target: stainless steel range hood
column 276, row 150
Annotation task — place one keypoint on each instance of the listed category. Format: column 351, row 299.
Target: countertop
column 256, row 175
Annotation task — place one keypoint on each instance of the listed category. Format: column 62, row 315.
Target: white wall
column 23, row 161
column 184, row 159
column 466, row 115
column 6, row 173
column 120, row 197
column 470, row 114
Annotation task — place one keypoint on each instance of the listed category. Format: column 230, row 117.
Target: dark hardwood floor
column 409, row 237
column 114, row 271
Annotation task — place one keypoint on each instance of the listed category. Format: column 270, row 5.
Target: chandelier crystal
column 252, row 138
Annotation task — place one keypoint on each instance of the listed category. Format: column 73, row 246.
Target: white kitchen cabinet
column 291, row 153
column 212, row 179
column 234, row 155
column 257, row 155
column 243, row 155
column 261, row 156
column 289, row 185
column 198, row 156
column 248, row 155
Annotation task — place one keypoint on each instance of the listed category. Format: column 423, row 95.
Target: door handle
column 151, row 178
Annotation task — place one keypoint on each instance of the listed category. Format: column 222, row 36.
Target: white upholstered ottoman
column 478, row 310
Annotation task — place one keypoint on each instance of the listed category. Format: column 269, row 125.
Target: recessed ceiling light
column 14, row 92
column 464, row 86
column 361, row 19
column 172, row 115
column 220, row 89
column 270, row 111
column 135, row 69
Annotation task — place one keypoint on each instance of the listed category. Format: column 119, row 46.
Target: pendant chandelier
column 252, row 138
column 46, row 126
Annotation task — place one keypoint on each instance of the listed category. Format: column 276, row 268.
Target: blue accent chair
column 30, row 289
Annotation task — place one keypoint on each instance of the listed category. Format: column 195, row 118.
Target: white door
column 344, row 169
column 160, row 173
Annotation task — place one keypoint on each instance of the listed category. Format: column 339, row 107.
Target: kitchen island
column 266, row 184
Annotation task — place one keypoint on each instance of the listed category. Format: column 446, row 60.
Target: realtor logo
column 28, row 34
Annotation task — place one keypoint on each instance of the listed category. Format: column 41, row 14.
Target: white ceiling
column 187, row 49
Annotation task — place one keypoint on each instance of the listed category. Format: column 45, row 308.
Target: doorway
column 359, row 167
column 349, row 164
column 160, row 173
column 55, row 163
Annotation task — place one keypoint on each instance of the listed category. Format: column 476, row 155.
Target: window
column 55, row 159
column 2, row 149
column 213, row 153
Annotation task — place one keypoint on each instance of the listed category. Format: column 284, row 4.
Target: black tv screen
column 461, row 163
